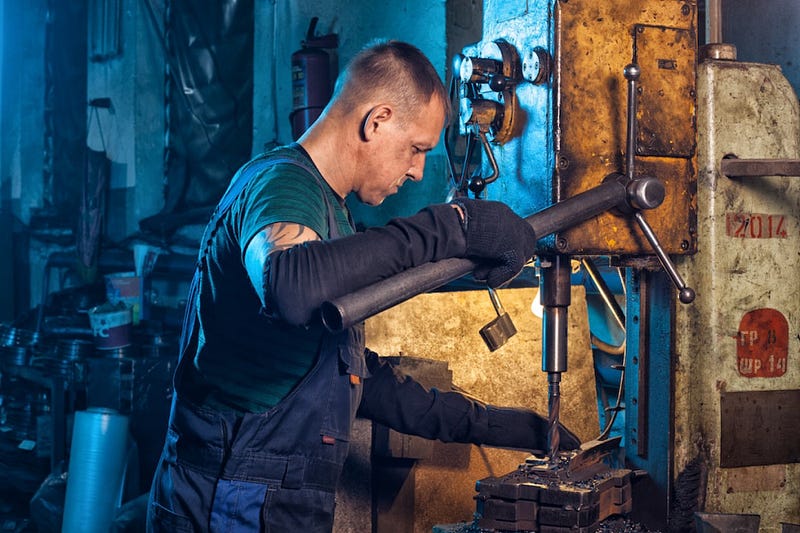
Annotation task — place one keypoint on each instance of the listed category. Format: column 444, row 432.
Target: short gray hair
column 396, row 68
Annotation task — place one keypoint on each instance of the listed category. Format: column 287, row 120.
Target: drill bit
column 553, row 407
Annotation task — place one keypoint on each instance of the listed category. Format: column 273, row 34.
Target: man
column 264, row 395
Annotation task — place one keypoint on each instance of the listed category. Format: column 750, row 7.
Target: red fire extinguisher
column 311, row 79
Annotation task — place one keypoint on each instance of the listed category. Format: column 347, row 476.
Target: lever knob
column 645, row 193
column 632, row 72
column 686, row 295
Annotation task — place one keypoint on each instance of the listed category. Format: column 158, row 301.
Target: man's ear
column 374, row 119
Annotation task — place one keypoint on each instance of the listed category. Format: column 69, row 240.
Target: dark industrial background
column 122, row 122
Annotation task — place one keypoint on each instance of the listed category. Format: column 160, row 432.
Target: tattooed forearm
column 273, row 238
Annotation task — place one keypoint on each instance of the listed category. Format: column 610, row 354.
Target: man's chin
column 372, row 202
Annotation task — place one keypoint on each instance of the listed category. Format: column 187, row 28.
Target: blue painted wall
column 765, row 32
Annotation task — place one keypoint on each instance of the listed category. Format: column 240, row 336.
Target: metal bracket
column 754, row 168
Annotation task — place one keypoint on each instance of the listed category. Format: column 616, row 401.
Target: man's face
column 398, row 153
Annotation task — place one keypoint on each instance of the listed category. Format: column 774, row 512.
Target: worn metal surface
column 571, row 126
column 666, row 101
column 575, row 493
column 751, row 112
column 649, row 374
column 759, row 428
column 595, row 41
column 755, row 478
column 591, row 453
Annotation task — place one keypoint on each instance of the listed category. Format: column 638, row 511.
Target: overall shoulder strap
column 240, row 181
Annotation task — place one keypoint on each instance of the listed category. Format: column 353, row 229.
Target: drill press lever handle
column 685, row 294
column 350, row 309
column 638, row 199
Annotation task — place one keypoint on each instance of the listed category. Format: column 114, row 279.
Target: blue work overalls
column 275, row 471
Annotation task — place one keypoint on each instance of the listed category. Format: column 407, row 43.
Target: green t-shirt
column 252, row 361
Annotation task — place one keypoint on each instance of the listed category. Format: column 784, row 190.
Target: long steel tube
column 350, row 309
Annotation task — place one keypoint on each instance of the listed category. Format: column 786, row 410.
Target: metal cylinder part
column 481, row 112
column 718, row 51
column 713, row 21
column 478, row 69
column 555, row 274
column 648, row 195
column 554, row 354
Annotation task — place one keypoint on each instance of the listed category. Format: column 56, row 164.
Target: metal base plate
column 573, row 493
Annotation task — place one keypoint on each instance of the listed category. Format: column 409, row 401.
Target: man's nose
column 417, row 168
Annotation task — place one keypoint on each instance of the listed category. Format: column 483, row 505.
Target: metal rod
column 498, row 306
column 554, row 349
column 605, row 292
column 470, row 144
column 713, row 21
column 350, row 309
column 554, row 412
column 685, row 294
column 487, row 149
column 753, row 168
column 631, row 73
column 619, row 318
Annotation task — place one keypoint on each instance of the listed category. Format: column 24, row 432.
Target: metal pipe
column 713, row 21
column 343, row 312
column 605, row 292
column 554, row 354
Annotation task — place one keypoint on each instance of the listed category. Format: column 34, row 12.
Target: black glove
column 521, row 428
column 497, row 237
column 397, row 400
